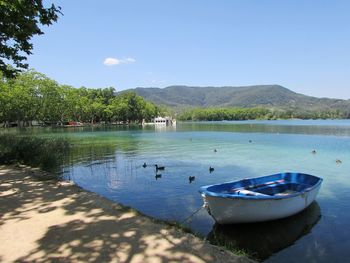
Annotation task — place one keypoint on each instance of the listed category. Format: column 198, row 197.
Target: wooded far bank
column 32, row 97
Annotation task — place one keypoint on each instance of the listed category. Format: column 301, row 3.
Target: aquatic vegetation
column 46, row 153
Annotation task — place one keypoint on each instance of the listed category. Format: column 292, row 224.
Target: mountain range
column 270, row 96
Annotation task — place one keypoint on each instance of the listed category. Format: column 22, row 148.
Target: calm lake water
column 109, row 161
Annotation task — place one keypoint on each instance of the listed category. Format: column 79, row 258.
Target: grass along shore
column 50, row 221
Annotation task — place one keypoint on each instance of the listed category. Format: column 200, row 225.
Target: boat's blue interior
column 271, row 185
column 280, row 188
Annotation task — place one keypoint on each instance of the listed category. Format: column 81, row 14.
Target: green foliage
column 128, row 107
column 273, row 97
column 32, row 96
column 19, row 22
column 46, row 153
column 221, row 241
column 220, row 114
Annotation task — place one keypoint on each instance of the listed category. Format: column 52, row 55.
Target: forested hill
column 272, row 96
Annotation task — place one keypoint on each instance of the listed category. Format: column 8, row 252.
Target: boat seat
column 249, row 193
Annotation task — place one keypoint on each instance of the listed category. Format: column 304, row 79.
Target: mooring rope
column 191, row 215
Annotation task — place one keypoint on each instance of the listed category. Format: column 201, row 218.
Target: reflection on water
column 261, row 240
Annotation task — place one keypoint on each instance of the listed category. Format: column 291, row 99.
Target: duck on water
column 159, row 167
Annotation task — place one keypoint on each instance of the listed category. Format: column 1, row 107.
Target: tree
column 51, row 100
column 33, row 96
column 19, row 22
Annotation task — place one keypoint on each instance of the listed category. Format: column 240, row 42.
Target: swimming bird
column 144, row 165
column 159, row 167
column 215, row 150
column 191, row 178
column 313, row 152
column 158, row 176
column 250, row 141
column 211, row 169
column 338, row 161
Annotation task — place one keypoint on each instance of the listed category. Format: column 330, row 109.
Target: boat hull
column 242, row 209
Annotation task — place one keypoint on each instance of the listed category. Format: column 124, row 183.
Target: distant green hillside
column 270, row 96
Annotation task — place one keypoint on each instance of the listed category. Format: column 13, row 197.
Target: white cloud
column 116, row 61
column 111, row 61
column 128, row 60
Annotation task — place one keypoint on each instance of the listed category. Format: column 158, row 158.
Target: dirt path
column 53, row 222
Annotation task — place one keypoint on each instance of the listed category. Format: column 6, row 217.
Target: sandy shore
column 58, row 222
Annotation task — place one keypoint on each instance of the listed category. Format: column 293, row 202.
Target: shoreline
column 50, row 221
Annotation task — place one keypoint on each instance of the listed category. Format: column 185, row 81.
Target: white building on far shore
column 167, row 121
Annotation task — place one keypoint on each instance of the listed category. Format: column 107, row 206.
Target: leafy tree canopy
column 31, row 96
column 19, row 22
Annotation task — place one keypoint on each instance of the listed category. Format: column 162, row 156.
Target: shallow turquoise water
column 109, row 162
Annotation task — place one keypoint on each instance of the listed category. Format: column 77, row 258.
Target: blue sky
column 303, row 45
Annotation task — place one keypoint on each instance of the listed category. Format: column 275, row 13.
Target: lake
column 109, row 161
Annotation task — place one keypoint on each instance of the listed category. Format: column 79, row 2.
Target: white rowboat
column 260, row 199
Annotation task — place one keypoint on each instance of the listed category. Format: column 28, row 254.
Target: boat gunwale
column 205, row 192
